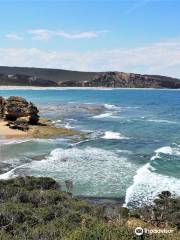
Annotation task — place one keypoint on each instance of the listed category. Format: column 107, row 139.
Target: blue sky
column 133, row 35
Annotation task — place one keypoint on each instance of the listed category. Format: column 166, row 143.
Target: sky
column 141, row 36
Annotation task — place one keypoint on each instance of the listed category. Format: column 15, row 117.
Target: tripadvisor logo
column 139, row 231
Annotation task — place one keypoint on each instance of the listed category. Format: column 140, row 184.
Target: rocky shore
column 19, row 118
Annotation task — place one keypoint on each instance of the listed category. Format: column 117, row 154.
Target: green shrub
column 101, row 232
column 165, row 211
column 35, row 209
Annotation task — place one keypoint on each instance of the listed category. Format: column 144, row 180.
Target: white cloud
column 13, row 36
column 45, row 34
column 77, row 35
column 40, row 34
column 158, row 58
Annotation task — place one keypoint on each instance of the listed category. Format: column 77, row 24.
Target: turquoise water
column 132, row 149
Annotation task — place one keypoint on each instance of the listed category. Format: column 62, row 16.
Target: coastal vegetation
column 36, row 208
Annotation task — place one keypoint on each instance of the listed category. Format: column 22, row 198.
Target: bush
column 165, row 211
column 34, row 209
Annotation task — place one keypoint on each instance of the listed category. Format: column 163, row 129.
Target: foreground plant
column 36, row 209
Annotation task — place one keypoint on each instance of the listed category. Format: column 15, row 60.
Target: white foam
column 148, row 184
column 111, row 107
column 72, row 119
column 68, row 126
column 94, row 171
column 168, row 150
column 113, row 135
column 8, row 175
column 145, row 188
column 57, row 121
column 103, row 115
column 11, row 173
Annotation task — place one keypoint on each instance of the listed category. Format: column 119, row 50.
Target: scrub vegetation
column 36, row 209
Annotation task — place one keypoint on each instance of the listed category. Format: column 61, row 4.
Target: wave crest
column 145, row 188
column 114, row 135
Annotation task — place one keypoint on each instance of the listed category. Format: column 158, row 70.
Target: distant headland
column 45, row 77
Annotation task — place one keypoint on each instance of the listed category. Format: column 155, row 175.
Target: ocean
column 132, row 148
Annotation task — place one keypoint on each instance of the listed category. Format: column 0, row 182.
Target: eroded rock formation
column 15, row 108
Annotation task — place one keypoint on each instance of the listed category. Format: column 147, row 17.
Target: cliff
column 17, row 76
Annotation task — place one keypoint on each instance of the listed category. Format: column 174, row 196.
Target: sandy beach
column 7, row 132
column 44, row 130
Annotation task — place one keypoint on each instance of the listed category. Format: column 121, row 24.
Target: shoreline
column 79, row 88
column 45, row 129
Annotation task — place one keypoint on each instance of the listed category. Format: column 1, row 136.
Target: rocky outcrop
column 14, row 108
column 125, row 80
column 19, row 124
column 131, row 80
column 2, row 105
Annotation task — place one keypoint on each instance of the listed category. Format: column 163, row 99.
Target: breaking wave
column 94, row 171
column 68, row 126
column 103, row 115
column 169, row 150
column 114, row 135
column 111, row 107
column 145, row 188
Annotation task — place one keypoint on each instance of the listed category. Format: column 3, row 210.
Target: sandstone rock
column 17, row 107
column 2, row 105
